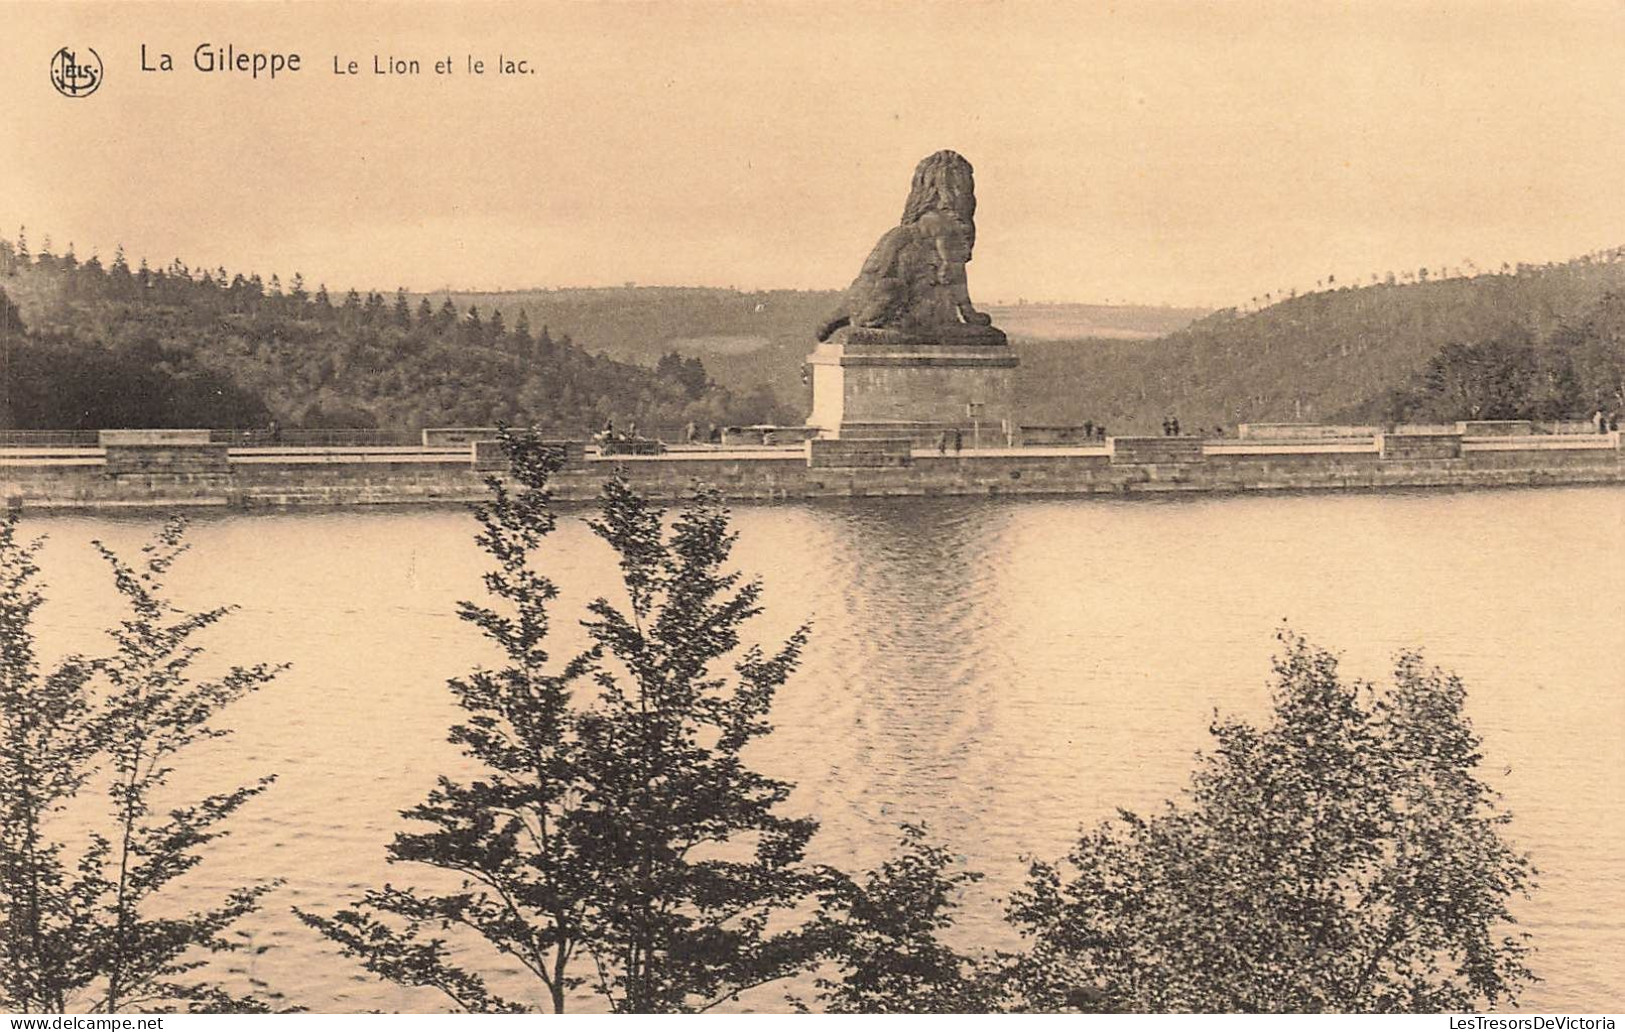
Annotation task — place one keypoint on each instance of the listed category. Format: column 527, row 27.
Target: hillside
column 103, row 346
column 1321, row 356
column 112, row 345
column 748, row 341
column 1034, row 322
column 89, row 346
column 752, row 340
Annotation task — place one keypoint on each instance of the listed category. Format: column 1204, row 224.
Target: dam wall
column 255, row 477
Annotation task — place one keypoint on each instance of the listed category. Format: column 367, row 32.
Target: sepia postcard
column 826, row 506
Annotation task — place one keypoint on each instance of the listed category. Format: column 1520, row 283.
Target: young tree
column 695, row 864
column 47, row 747
column 154, row 710
column 505, row 835
column 621, row 834
column 1346, row 857
column 883, row 936
column 96, row 931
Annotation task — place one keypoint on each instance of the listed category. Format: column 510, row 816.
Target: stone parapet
column 440, row 436
column 488, row 456
column 1302, row 431
column 162, row 453
column 1419, row 446
column 1155, row 450
column 163, row 438
column 847, row 453
column 1495, row 428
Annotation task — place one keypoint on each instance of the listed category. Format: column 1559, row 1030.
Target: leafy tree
column 688, row 373
column 97, row 930
column 55, row 382
column 883, row 936
column 506, row 835
column 615, row 840
column 1345, row 857
column 1510, row 376
column 683, row 904
column 1492, row 380
column 47, row 747
column 1592, row 355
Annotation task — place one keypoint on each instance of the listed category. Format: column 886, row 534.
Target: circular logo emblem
column 76, row 73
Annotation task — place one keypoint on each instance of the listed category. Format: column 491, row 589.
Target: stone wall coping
column 152, row 438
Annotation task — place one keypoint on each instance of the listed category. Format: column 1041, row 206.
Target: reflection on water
column 1004, row 670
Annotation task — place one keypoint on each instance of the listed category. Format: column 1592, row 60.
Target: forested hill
column 89, row 346
column 752, row 342
column 1537, row 336
column 749, row 340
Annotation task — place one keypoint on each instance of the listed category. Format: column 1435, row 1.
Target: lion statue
column 914, row 279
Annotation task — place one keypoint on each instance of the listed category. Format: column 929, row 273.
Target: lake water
column 1003, row 670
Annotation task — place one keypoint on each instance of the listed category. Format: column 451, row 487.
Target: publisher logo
column 76, row 73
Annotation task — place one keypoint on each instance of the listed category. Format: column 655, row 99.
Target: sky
column 1180, row 153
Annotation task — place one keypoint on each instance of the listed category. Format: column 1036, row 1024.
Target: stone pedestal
column 883, row 383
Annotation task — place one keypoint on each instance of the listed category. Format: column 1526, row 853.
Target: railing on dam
column 461, row 445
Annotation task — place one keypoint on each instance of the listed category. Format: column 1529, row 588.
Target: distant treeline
column 751, row 341
column 1540, row 341
column 89, row 345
